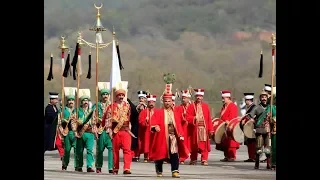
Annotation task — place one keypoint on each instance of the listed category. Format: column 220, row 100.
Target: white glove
column 254, row 130
column 181, row 138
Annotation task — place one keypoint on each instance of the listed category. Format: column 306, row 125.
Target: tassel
column 75, row 62
column 261, row 65
column 119, row 58
column 67, row 67
column 50, row 75
column 89, row 70
column 70, row 72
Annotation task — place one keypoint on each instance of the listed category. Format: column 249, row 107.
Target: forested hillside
column 214, row 44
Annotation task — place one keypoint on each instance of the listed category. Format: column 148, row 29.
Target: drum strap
column 250, row 108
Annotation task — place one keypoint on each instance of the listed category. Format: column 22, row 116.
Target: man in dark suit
column 50, row 125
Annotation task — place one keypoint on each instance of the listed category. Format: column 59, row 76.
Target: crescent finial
column 62, row 37
column 98, row 7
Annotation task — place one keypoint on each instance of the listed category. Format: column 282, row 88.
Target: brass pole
column 273, row 45
column 78, row 75
column 97, row 28
column 63, row 48
column 97, row 72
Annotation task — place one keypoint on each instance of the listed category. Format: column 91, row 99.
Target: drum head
column 238, row 133
column 248, row 129
column 219, row 133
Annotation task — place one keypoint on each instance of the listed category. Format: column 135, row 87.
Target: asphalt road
column 216, row 170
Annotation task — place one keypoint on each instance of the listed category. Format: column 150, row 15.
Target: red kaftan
column 159, row 147
column 228, row 113
column 144, row 130
column 191, row 114
column 181, row 109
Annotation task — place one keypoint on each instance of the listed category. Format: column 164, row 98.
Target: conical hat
column 84, row 92
column 122, row 85
column 69, row 91
column 103, row 85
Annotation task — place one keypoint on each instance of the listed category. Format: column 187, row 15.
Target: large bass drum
column 247, row 127
column 219, row 127
column 234, row 131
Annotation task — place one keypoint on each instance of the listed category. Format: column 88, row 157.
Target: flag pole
column 80, row 43
column 63, row 47
column 273, row 45
column 97, row 28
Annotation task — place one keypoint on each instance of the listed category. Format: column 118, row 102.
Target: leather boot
column 256, row 166
column 98, row 170
column 268, row 163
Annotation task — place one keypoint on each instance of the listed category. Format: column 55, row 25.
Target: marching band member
column 118, row 112
column 228, row 112
column 263, row 129
column 253, row 112
column 144, row 126
column 167, row 137
column 199, row 118
column 136, row 142
column 70, row 140
column 263, row 104
column 182, row 109
column 85, row 136
column 52, row 140
column 104, row 139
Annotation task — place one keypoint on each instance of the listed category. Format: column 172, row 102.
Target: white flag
column 115, row 75
column 99, row 38
column 80, row 65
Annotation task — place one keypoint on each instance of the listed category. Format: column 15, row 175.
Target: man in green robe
column 69, row 138
column 263, row 128
column 104, row 140
column 85, row 136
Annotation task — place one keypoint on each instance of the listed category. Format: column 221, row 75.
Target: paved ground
column 216, row 170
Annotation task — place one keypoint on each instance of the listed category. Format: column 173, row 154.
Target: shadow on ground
column 248, row 166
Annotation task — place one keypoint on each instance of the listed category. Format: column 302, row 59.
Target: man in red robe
column 228, row 112
column 144, row 126
column 167, row 137
column 182, row 109
column 199, row 119
column 119, row 115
